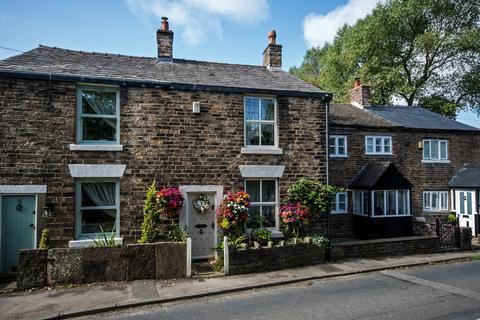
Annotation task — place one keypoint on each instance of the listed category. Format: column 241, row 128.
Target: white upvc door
column 466, row 208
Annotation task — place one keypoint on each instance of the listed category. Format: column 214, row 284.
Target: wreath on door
column 202, row 204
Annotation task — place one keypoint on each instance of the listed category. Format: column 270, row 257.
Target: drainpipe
column 327, row 107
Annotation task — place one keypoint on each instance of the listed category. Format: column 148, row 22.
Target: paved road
column 434, row 292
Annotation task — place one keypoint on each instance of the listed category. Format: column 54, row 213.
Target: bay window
column 360, row 202
column 390, row 202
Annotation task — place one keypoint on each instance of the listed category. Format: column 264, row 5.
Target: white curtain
column 102, row 194
column 101, row 105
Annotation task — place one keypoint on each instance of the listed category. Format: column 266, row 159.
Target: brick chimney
column 165, row 42
column 272, row 55
column 360, row 95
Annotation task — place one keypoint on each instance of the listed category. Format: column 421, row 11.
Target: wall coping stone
column 383, row 240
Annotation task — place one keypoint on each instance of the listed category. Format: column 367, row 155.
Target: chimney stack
column 272, row 55
column 360, row 95
column 165, row 42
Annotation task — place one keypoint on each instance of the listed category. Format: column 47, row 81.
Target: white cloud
column 196, row 20
column 318, row 28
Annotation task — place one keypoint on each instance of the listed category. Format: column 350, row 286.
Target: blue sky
column 233, row 31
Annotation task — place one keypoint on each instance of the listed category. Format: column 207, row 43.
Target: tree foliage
column 151, row 223
column 313, row 194
column 422, row 51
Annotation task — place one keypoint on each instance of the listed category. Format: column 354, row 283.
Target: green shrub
column 151, row 224
column 177, row 233
column 262, row 235
column 452, row 218
column 319, row 240
column 313, row 194
column 44, row 239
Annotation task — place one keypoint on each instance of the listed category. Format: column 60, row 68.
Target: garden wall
column 384, row 247
column 274, row 258
column 162, row 260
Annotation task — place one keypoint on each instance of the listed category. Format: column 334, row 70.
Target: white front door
column 466, row 209
column 201, row 224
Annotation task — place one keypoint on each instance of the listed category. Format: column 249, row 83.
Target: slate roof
column 381, row 116
column 467, row 177
column 380, row 176
column 349, row 115
column 65, row 64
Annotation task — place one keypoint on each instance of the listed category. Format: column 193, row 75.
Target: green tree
column 422, row 51
column 150, row 226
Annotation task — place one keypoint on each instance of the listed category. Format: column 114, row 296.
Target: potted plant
column 262, row 237
column 294, row 218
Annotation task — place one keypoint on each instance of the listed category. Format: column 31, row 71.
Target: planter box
column 162, row 260
column 274, row 258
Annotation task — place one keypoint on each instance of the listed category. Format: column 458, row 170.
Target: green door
column 18, row 228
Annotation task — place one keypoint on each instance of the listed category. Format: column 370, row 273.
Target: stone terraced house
column 399, row 162
column 84, row 134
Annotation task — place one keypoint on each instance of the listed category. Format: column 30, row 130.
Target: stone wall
column 464, row 147
column 163, row 260
column 162, row 139
column 384, row 247
column 275, row 258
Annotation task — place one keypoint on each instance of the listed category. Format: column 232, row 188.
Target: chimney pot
column 357, row 83
column 272, row 37
column 164, row 24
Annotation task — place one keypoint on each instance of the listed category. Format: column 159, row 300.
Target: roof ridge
column 145, row 57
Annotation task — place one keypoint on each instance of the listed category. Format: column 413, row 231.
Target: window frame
column 78, row 207
column 439, row 142
column 438, row 208
column 385, row 192
column 80, row 115
column 383, row 137
column 362, row 201
column 337, row 203
column 276, row 204
column 336, row 146
column 274, row 122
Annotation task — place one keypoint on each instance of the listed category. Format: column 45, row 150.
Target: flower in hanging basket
column 295, row 216
column 170, row 201
column 233, row 211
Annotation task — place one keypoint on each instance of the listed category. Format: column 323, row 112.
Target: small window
column 263, row 200
column 339, row 203
column 360, row 202
column 378, row 145
column 98, row 115
column 435, row 150
column 260, row 122
column 97, row 207
column 337, row 146
column 435, row 201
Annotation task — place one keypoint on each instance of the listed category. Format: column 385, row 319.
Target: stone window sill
column 435, row 161
column 261, row 151
column 83, row 243
column 96, row 147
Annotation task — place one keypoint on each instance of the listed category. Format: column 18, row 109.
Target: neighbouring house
column 84, row 134
column 398, row 162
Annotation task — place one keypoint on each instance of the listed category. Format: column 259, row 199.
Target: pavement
column 68, row 302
